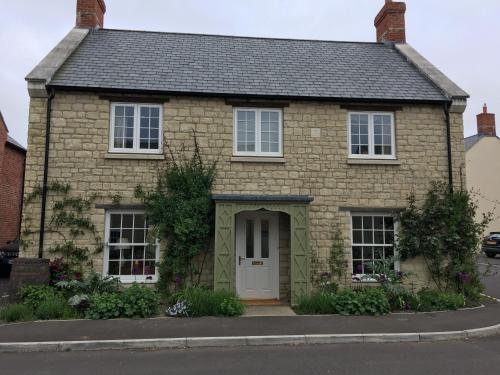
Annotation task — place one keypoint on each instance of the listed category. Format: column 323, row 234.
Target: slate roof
column 226, row 65
column 471, row 141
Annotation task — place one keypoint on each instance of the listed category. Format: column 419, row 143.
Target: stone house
column 311, row 137
column 12, row 156
column 482, row 163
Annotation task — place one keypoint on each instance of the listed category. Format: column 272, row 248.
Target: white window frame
column 127, row 279
column 371, row 136
column 136, row 142
column 258, row 134
column 359, row 277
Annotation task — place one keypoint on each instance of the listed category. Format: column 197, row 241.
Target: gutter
column 45, row 174
column 226, row 95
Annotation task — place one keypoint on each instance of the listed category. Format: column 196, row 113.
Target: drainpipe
column 22, row 199
column 45, row 174
column 448, row 142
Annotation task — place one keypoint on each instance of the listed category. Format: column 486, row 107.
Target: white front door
column 257, row 255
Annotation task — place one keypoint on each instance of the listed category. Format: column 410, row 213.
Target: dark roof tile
column 210, row 64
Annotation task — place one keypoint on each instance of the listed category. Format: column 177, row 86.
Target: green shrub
column 433, row 300
column 140, row 301
column 374, row 301
column 16, row 312
column 205, row 302
column 401, row 300
column 55, row 308
column 33, row 295
column 230, row 306
column 104, row 306
column 92, row 283
column 369, row 301
column 317, row 303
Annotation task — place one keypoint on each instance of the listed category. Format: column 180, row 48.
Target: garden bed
column 96, row 297
column 380, row 301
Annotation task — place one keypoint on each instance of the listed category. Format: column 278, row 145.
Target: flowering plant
column 178, row 310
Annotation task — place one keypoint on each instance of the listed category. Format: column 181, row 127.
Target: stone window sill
column 257, row 159
column 373, row 162
column 134, row 156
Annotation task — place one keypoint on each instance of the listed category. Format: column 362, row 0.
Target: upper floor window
column 258, row 132
column 371, row 135
column 136, row 128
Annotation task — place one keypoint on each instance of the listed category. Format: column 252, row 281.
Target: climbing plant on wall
column 444, row 231
column 181, row 211
column 68, row 220
column 336, row 262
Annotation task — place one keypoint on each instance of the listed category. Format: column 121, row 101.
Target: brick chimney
column 390, row 22
column 90, row 13
column 486, row 123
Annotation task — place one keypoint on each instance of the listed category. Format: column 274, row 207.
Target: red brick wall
column 390, row 22
column 11, row 181
column 90, row 13
column 486, row 123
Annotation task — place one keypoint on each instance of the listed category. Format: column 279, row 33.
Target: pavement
column 126, row 329
column 256, row 330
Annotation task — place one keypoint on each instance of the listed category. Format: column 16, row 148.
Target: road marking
column 493, row 298
column 490, row 265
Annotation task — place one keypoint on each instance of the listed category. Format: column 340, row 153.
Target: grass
column 16, row 312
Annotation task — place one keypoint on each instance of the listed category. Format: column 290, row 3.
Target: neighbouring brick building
column 310, row 136
column 12, row 156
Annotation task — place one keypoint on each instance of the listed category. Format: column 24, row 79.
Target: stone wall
column 315, row 149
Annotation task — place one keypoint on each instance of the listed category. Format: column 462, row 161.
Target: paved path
column 445, row 358
column 252, row 326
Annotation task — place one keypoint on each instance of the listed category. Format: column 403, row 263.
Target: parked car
column 7, row 254
column 491, row 244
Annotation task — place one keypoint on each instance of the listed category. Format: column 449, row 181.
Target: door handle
column 239, row 260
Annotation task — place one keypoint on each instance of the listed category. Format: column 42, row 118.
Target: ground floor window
column 130, row 254
column 372, row 240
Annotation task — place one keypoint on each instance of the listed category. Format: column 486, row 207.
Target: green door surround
column 226, row 208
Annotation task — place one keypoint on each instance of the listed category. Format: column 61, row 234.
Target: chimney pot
column 486, row 123
column 390, row 22
column 90, row 13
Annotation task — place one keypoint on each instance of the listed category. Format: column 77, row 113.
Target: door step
column 268, row 310
column 263, row 302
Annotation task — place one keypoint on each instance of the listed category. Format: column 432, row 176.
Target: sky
column 460, row 37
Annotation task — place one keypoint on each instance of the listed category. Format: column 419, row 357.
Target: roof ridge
column 470, row 136
column 242, row 36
